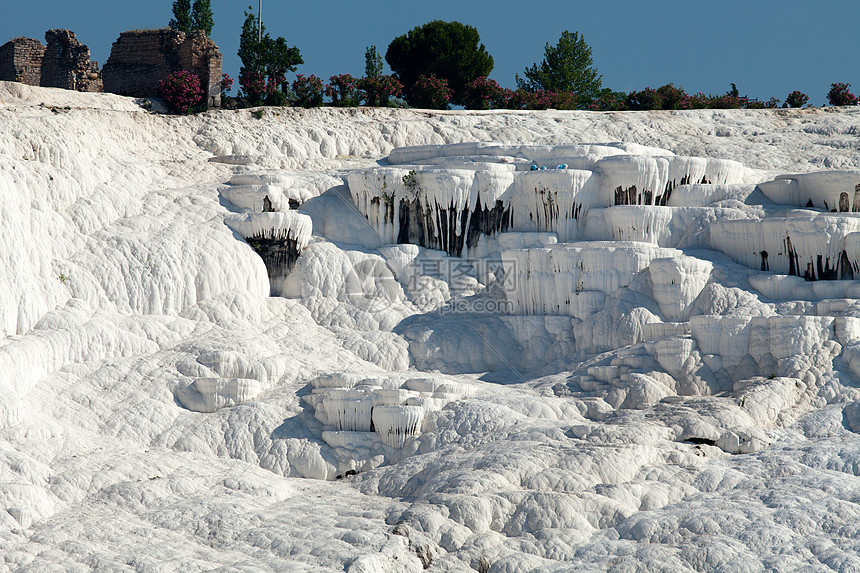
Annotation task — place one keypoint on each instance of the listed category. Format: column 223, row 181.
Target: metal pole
column 260, row 23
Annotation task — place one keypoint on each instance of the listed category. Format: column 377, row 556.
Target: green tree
column 181, row 16
column 201, row 16
column 278, row 57
column 249, row 46
column 566, row 67
column 447, row 50
column 269, row 58
column 372, row 63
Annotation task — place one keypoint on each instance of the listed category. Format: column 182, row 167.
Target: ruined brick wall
column 67, row 63
column 21, row 61
column 140, row 59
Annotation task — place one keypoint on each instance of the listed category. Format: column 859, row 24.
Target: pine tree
column 448, row 50
column 566, row 67
column 201, row 16
column 372, row 63
column 181, row 16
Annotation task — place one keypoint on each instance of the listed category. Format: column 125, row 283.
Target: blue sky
column 767, row 48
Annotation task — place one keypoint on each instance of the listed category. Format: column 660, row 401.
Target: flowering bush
column 796, row 99
column 646, row 99
column 378, row 90
column 309, row 90
column 728, row 101
column 772, row 103
column 769, row 104
column 840, row 95
column 699, row 101
column 343, row 90
column 521, row 99
column 226, row 84
column 546, row 99
column 430, row 92
column 609, row 100
column 274, row 95
column 673, row 98
column 255, row 88
column 483, row 93
column 182, row 91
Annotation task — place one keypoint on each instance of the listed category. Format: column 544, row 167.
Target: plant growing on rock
column 182, row 91
column 796, row 99
column 308, row 90
column 840, row 95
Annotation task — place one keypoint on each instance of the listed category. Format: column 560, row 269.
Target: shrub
column 226, row 84
column 699, row 101
column 609, row 100
column 378, row 90
column 546, row 99
column 254, row 87
column 430, row 92
column 522, row 99
column 769, row 104
column 483, row 93
column 796, row 99
column 672, row 97
column 840, row 95
column 343, row 90
column 644, row 100
column 308, row 90
column 728, row 101
column 182, row 91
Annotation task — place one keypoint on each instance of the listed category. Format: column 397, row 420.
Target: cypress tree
column 201, row 16
column 181, row 16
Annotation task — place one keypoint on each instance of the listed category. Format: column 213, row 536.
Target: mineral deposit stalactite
column 279, row 254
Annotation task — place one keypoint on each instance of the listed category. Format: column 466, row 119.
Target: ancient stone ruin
column 140, row 59
column 63, row 63
column 67, row 64
column 21, row 61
